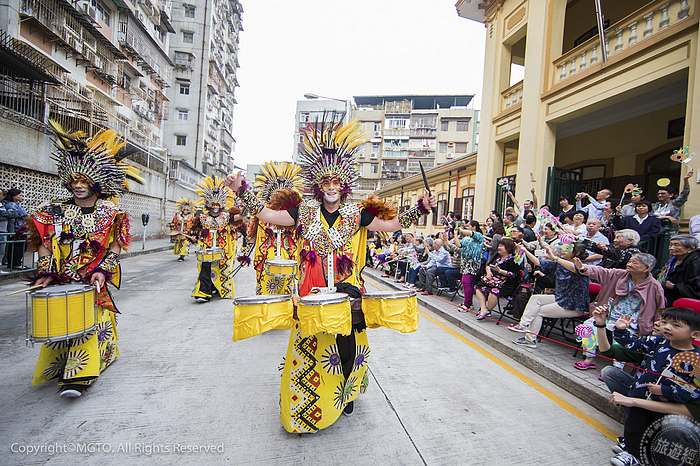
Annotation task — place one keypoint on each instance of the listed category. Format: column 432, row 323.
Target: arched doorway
column 661, row 166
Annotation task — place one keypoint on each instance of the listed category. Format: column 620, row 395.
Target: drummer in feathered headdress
column 329, row 227
column 78, row 239
column 180, row 227
column 279, row 186
column 215, row 228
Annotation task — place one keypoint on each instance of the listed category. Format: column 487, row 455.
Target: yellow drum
column 58, row 313
column 325, row 312
column 253, row 315
column 281, row 268
column 210, row 255
column 395, row 310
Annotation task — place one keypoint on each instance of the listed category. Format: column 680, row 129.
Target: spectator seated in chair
column 570, row 298
column 634, row 293
column 500, row 279
column 615, row 256
column 680, row 277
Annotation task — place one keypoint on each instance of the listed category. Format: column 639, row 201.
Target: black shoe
column 349, row 408
column 181, row 259
column 72, row 391
column 203, row 300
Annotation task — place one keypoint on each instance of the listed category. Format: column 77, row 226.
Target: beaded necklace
column 334, row 238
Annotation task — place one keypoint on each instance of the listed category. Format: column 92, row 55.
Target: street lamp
column 311, row 96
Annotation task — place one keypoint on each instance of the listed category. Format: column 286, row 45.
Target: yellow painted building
column 454, row 185
column 562, row 120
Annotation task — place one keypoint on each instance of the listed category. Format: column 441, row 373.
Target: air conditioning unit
column 90, row 11
column 377, row 134
column 450, row 155
column 373, row 155
column 361, row 155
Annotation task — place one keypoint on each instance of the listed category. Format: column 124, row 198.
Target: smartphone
column 540, row 253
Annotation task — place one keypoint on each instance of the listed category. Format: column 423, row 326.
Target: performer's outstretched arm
column 407, row 218
column 254, row 205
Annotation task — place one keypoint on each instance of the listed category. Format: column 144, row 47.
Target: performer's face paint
column 331, row 187
column 215, row 209
column 81, row 188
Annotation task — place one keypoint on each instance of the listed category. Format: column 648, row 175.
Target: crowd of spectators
column 590, row 255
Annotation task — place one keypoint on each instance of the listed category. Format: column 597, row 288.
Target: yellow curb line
column 557, row 399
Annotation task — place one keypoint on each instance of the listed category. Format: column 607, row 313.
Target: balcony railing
column 512, row 96
column 424, row 132
column 631, row 32
column 396, row 132
column 395, row 153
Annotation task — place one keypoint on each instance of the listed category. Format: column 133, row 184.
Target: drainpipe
column 201, row 78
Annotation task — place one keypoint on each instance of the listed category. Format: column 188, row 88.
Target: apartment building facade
column 404, row 131
column 90, row 65
column 577, row 121
column 204, row 51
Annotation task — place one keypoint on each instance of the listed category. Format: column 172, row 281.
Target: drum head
column 389, row 294
column 282, row 262
column 62, row 290
column 324, row 298
column 261, row 299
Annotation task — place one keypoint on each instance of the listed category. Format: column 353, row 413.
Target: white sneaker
column 522, row 341
column 518, row 328
column 624, row 459
column 71, row 391
column 203, row 300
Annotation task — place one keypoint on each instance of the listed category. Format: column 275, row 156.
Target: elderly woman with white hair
column 681, row 275
column 630, row 292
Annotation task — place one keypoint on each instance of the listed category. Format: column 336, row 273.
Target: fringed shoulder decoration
column 232, row 212
column 380, row 209
column 34, row 240
column 284, row 199
column 121, row 230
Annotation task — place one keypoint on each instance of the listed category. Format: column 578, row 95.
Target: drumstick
column 24, row 289
column 97, row 282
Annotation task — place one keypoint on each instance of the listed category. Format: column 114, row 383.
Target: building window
column 189, row 11
column 183, row 114
column 183, row 59
column 188, row 37
column 441, row 209
column 184, row 89
column 463, row 125
column 375, row 147
column 181, row 140
column 377, row 127
column 374, row 168
column 102, row 11
column 304, row 117
column 443, row 148
column 461, row 147
column 444, row 125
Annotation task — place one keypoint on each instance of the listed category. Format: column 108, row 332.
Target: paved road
column 435, row 397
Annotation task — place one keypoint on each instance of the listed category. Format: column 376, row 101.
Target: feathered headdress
column 98, row 159
column 329, row 150
column 183, row 204
column 275, row 176
column 212, row 190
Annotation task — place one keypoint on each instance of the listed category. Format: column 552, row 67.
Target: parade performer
column 180, row 225
column 216, row 227
column 79, row 239
column 323, row 373
column 279, row 187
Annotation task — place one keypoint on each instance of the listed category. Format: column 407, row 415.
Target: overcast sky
column 341, row 49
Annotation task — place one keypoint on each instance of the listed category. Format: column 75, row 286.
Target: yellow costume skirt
column 79, row 360
column 314, row 391
column 181, row 248
column 221, row 277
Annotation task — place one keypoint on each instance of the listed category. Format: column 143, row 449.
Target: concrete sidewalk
column 552, row 360
column 137, row 248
